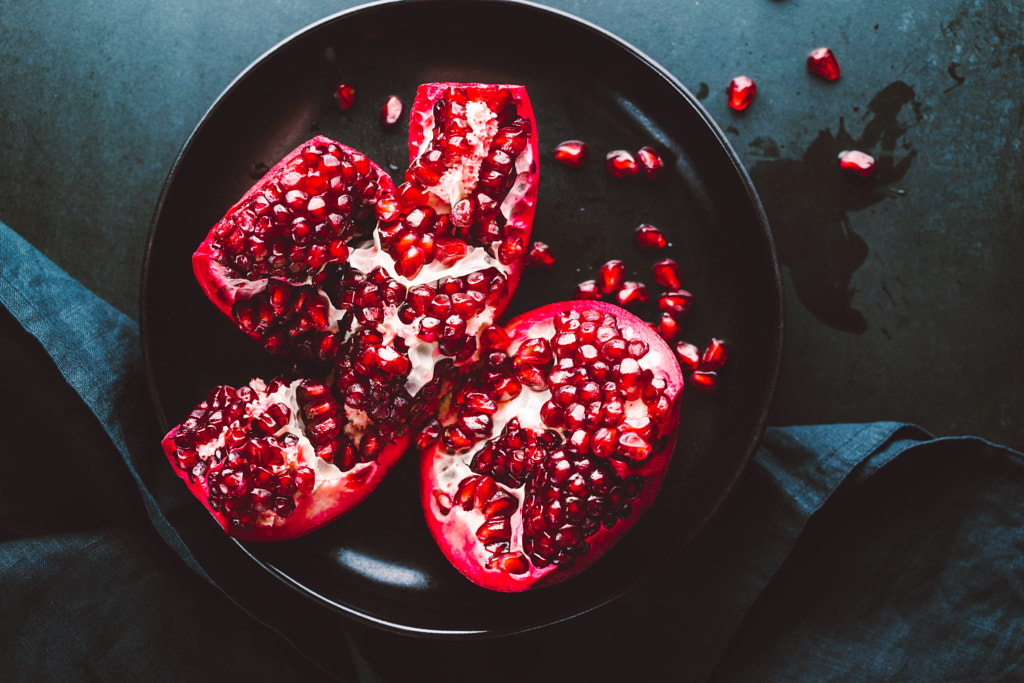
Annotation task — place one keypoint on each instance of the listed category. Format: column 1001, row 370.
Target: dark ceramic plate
column 379, row 564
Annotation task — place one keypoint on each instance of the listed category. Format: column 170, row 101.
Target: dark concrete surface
column 902, row 295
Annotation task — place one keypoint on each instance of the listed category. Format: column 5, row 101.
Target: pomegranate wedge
column 552, row 447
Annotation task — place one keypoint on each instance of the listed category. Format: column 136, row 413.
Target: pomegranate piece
column 688, row 355
column 741, row 91
column 391, row 112
column 620, row 164
column 704, row 381
column 714, row 355
column 345, row 93
column 632, row 293
column 567, row 465
column 611, row 276
column 667, row 274
column 822, row 62
column 651, row 162
column 588, row 290
column 573, row 153
column 540, row 256
column 857, row 163
column 677, row 303
column 668, row 327
column 272, row 461
column 649, row 237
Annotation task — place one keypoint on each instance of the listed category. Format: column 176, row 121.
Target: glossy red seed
column 346, row 95
column 714, row 355
column 391, row 112
column 649, row 237
column 706, row 382
column 666, row 274
column 857, row 163
column 572, row 153
column 651, row 162
column 668, row 327
column 587, row 290
column 620, row 164
column 687, row 354
column 632, row 293
column 741, row 92
column 540, row 256
column 677, row 303
column 822, row 62
column 611, row 276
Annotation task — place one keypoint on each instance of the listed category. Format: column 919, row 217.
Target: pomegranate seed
column 677, row 303
column 649, row 237
column 391, row 112
column 741, row 92
column 540, row 256
column 714, row 355
column 822, row 62
column 620, row 164
column 633, row 446
column 587, row 290
column 668, row 327
column 857, row 163
column 632, row 293
column 410, row 263
column 346, row 95
column 666, row 274
column 651, row 162
column 572, row 153
column 510, row 251
column 706, row 382
column 688, row 355
column 611, row 276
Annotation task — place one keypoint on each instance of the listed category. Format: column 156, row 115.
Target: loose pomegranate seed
column 588, row 290
column 649, row 237
column 822, row 62
column 714, row 355
column 620, row 164
column 611, row 276
column 540, row 256
column 688, row 355
column 572, row 153
column 651, row 162
column 677, row 303
column 632, row 293
column 857, row 163
column 666, row 274
column 668, row 327
column 741, row 92
column 391, row 112
column 346, row 96
column 706, row 382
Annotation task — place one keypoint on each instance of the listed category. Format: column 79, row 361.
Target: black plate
column 379, row 564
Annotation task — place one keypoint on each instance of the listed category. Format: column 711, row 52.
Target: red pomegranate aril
column 714, row 355
column 611, row 276
column 667, row 274
column 391, row 112
column 649, row 237
column 632, row 293
column 620, row 164
column 857, row 163
column 822, row 62
column 651, row 162
column 741, row 92
column 688, row 355
column 345, row 93
column 704, row 381
column 676, row 303
column 587, row 290
column 668, row 327
column 540, row 256
column 573, row 153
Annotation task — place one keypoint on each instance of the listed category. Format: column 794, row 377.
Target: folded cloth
column 850, row 552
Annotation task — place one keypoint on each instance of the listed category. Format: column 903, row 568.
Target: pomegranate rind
column 454, row 530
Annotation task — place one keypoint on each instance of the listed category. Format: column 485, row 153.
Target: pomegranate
column 822, row 62
column 649, row 237
column 391, row 112
column 572, row 153
column 857, row 163
column 741, row 91
column 588, row 290
column 552, row 447
column 345, row 93
column 620, row 164
column 383, row 291
column 651, row 162
column 667, row 274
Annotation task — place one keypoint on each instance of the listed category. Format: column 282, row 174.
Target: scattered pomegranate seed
column 588, row 290
column 391, row 112
column 676, row 303
column 649, row 237
column 572, row 153
column 857, row 163
column 706, row 382
column 688, row 355
column 741, row 92
column 822, row 62
column 632, row 293
column 668, row 327
column 651, row 162
column 714, row 355
column 666, row 274
column 540, row 256
column 621, row 164
column 346, row 96
column 611, row 276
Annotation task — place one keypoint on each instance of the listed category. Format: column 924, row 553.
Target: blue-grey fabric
column 846, row 552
